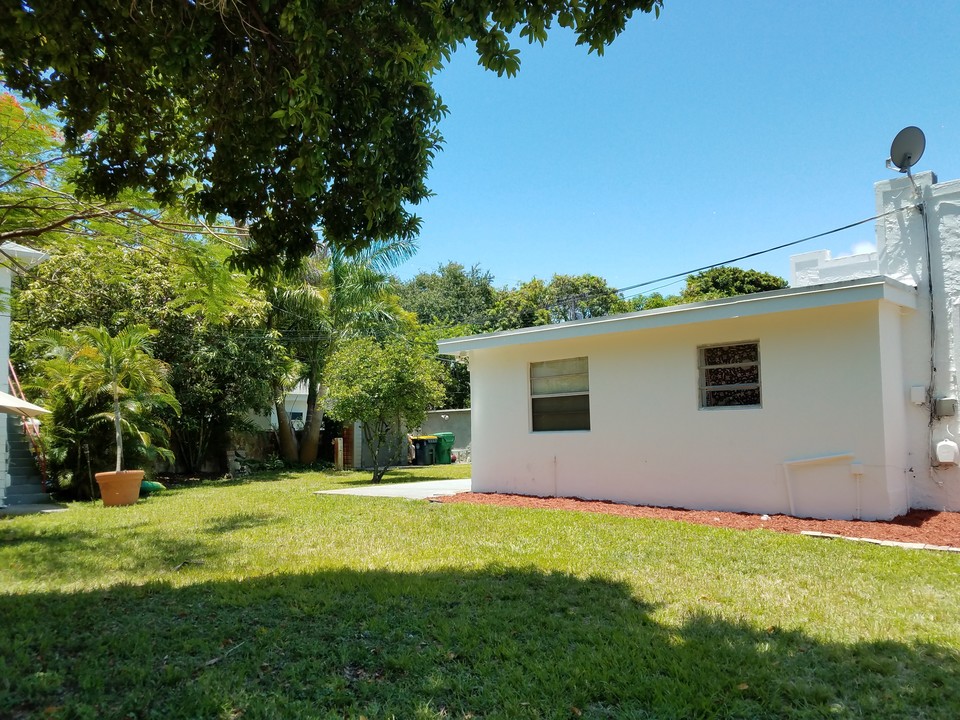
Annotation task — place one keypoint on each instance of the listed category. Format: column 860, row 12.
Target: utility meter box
column 946, row 407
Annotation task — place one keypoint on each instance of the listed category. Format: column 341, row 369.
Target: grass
column 259, row 599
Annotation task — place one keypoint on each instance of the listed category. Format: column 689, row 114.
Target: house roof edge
column 789, row 299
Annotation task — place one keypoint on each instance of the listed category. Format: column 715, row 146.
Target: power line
column 564, row 301
column 762, row 252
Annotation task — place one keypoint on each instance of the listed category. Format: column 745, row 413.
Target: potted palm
column 100, row 369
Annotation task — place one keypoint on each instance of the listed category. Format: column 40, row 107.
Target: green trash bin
column 444, row 446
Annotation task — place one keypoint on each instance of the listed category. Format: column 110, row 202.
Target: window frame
column 533, row 397
column 703, row 389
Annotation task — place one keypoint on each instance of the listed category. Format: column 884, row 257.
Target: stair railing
column 30, row 429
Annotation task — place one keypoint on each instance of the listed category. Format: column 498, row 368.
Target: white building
column 825, row 400
column 12, row 255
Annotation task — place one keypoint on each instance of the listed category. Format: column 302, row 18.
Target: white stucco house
column 834, row 398
column 14, row 485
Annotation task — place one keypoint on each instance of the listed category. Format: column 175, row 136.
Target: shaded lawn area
column 262, row 600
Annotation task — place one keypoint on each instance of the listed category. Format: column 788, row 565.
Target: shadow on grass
column 240, row 521
column 495, row 643
column 186, row 484
column 84, row 554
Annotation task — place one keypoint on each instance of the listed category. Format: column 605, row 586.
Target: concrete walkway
column 412, row 490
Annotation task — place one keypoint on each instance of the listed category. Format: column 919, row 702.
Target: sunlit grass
column 262, row 599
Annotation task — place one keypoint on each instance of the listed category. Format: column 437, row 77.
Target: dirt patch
column 917, row 526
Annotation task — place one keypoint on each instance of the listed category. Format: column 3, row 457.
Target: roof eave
column 789, row 299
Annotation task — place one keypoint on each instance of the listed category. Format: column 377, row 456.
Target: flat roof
column 773, row 301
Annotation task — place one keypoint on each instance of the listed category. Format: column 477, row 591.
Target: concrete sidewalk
column 411, row 490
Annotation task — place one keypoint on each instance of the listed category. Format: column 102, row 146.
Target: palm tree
column 336, row 296
column 98, row 369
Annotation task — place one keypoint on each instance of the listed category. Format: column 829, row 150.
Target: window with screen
column 560, row 395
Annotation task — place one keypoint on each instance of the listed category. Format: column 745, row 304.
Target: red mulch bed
column 917, row 526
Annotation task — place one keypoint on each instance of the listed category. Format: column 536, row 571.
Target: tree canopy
column 718, row 282
column 290, row 117
column 728, row 281
column 450, row 295
column 385, row 387
column 565, row 297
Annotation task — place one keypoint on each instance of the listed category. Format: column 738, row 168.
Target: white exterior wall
column 455, row 421
column 818, row 267
column 821, row 374
column 901, row 243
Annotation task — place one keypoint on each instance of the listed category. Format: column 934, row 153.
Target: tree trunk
column 377, row 439
column 310, row 440
column 373, row 442
column 192, row 444
column 288, row 441
column 117, row 427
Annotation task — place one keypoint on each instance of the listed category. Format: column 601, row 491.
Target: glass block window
column 560, row 395
column 730, row 375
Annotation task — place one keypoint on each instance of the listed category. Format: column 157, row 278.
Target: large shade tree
column 291, row 117
column 122, row 263
column 450, row 295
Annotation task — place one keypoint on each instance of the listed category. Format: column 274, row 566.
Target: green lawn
column 262, row 600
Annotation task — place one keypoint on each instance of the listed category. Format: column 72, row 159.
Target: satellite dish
column 907, row 148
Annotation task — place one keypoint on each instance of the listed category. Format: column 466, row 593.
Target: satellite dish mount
column 906, row 151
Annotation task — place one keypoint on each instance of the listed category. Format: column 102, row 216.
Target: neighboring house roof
column 774, row 301
column 26, row 256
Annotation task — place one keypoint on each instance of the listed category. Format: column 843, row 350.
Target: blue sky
column 718, row 130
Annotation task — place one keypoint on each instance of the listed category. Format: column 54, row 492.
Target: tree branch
column 32, row 168
column 34, row 232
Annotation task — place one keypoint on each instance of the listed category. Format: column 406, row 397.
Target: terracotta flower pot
column 119, row 488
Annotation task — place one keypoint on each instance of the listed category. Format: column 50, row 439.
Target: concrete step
column 24, row 493
column 28, row 460
column 21, row 488
column 21, row 481
column 37, row 498
column 17, row 443
column 25, row 481
column 24, row 476
column 24, row 489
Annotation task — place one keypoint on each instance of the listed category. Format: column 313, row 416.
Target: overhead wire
column 748, row 255
column 679, row 276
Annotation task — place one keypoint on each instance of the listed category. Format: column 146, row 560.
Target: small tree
column 385, row 388
column 116, row 375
